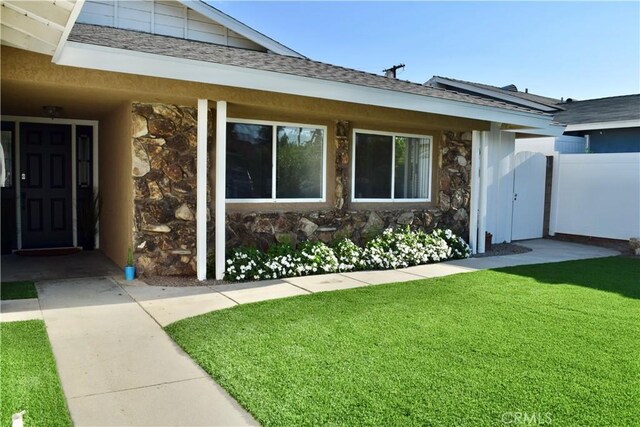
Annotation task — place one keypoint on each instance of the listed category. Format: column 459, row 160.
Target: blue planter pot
column 129, row 272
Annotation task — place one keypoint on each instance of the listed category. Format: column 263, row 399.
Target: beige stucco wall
column 116, row 184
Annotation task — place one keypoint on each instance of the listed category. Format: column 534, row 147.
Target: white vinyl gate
column 528, row 195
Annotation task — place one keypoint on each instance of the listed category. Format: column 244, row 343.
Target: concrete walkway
column 118, row 367
column 14, row 310
column 170, row 304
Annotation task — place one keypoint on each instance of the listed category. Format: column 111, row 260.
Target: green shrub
column 246, row 264
column 348, row 254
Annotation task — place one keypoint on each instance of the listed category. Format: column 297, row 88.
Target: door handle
column 515, row 196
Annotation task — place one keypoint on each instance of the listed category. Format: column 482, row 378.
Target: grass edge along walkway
column 30, row 378
column 18, row 290
column 558, row 340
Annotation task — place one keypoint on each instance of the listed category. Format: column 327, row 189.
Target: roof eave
column 125, row 61
column 493, row 93
column 614, row 124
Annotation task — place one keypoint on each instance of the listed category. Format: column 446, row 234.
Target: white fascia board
column 495, row 94
column 604, row 125
column 238, row 27
column 146, row 64
column 552, row 129
column 75, row 12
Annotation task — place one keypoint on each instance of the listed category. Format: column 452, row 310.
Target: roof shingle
column 612, row 109
column 208, row 52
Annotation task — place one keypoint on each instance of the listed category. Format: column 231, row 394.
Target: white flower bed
column 391, row 249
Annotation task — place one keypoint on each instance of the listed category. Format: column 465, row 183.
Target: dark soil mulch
column 180, row 281
column 503, row 249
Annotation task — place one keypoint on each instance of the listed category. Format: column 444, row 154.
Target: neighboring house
column 199, row 134
column 608, row 125
column 603, row 125
column 598, row 154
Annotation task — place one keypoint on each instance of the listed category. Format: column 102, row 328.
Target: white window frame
column 393, row 136
column 273, row 198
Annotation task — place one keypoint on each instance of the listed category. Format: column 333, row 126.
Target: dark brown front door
column 45, row 185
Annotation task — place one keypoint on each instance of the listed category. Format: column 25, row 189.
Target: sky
column 579, row 50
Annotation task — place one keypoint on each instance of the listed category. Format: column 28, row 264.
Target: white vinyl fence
column 596, row 195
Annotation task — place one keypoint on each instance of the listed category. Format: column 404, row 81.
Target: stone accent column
column 343, row 184
column 164, row 173
column 455, row 182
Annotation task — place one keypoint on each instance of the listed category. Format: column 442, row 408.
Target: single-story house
column 198, row 133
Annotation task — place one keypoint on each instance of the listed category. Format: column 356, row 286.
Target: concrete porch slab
column 82, row 264
column 15, row 310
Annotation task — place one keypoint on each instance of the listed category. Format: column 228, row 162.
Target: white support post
column 74, row 186
column 201, row 191
column 555, row 187
column 221, row 169
column 475, row 188
column 484, row 176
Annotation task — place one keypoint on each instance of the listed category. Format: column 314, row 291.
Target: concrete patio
column 118, row 367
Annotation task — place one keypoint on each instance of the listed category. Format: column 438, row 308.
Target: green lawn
column 18, row 290
column 29, row 376
column 560, row 342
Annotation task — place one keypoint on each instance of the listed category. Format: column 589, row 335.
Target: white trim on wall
column 393, row 135
column 18, row 120
column 274, row 130
column 18, row 182
column 74, row 185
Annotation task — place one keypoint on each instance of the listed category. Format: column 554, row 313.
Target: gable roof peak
column 233, row 24
column 195, row 20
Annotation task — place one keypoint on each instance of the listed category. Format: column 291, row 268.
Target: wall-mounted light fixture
column 52, row 111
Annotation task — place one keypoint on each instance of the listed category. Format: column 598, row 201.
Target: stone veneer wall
column 164, row 173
